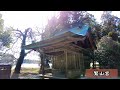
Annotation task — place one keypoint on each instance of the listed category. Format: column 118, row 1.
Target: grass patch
column 27, row 71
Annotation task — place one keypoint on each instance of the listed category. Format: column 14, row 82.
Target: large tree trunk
column 20, row 61
column 22, row 55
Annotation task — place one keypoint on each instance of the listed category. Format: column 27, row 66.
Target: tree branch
column 39, row 32
column 28, row 52
column 11, row 47
column 19, row 32
column 19, row 37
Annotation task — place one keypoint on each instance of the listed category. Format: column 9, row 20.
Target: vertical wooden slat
column 74, row 61
column 66, row 62
column 77, row 61
column 69, row 60
column 55, row 61
column 52, row 61
column 80, row 61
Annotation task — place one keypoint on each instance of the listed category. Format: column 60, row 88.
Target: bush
column 108, row 53
column 114, row 35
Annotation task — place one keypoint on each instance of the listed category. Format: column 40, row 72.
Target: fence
column 5, row 71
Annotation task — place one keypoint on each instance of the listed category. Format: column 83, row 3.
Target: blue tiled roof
column 80, row 31
column 76, row 30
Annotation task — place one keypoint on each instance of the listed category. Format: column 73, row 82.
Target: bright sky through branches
column 25, row 19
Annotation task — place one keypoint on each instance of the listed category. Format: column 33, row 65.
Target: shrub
column 114, row 35
column 108, row 53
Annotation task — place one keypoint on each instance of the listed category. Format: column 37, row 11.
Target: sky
column 97, row 14
column 25, row 19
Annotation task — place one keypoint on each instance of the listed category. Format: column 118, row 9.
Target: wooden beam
column 72, row 49
column 60, row 44
column 56, row 50
column 50, row 41
column 78, row 47
column 53, row 41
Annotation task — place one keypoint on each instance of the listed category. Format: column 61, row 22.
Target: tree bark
column 22, row 55
column 20, row 61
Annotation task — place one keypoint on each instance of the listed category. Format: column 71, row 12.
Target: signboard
column 101, row 73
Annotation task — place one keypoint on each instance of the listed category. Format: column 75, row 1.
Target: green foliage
column 110, row 34
column 1, row 24
column 118, row 39
column 5, row 35
column 108, row 53
column 110, row 23
column 67, row 20
column 114, row 35
column 6, row 39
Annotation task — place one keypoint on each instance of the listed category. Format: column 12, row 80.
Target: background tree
column 109, row 23
column 108, row 47
column 23, row 35
column 113, row 35
column 108, row 53
column 5, row 34
column 67, row 20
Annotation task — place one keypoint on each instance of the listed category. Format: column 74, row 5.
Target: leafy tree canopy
column 67, row 20
column 5, row 34
column 108, row 53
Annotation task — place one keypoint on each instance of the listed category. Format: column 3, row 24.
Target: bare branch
column 19, row 37
column 19, row 32
column 39, row 31
column 28, row 52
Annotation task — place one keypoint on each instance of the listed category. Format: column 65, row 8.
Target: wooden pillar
column 69, row 58
column 83, row 61
column 80, row 61
column 74, row 60
column 52, row 58
column 55, row 62
column 42, row 56
column 77, row 61
column 83, row 67
column 66, row 66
